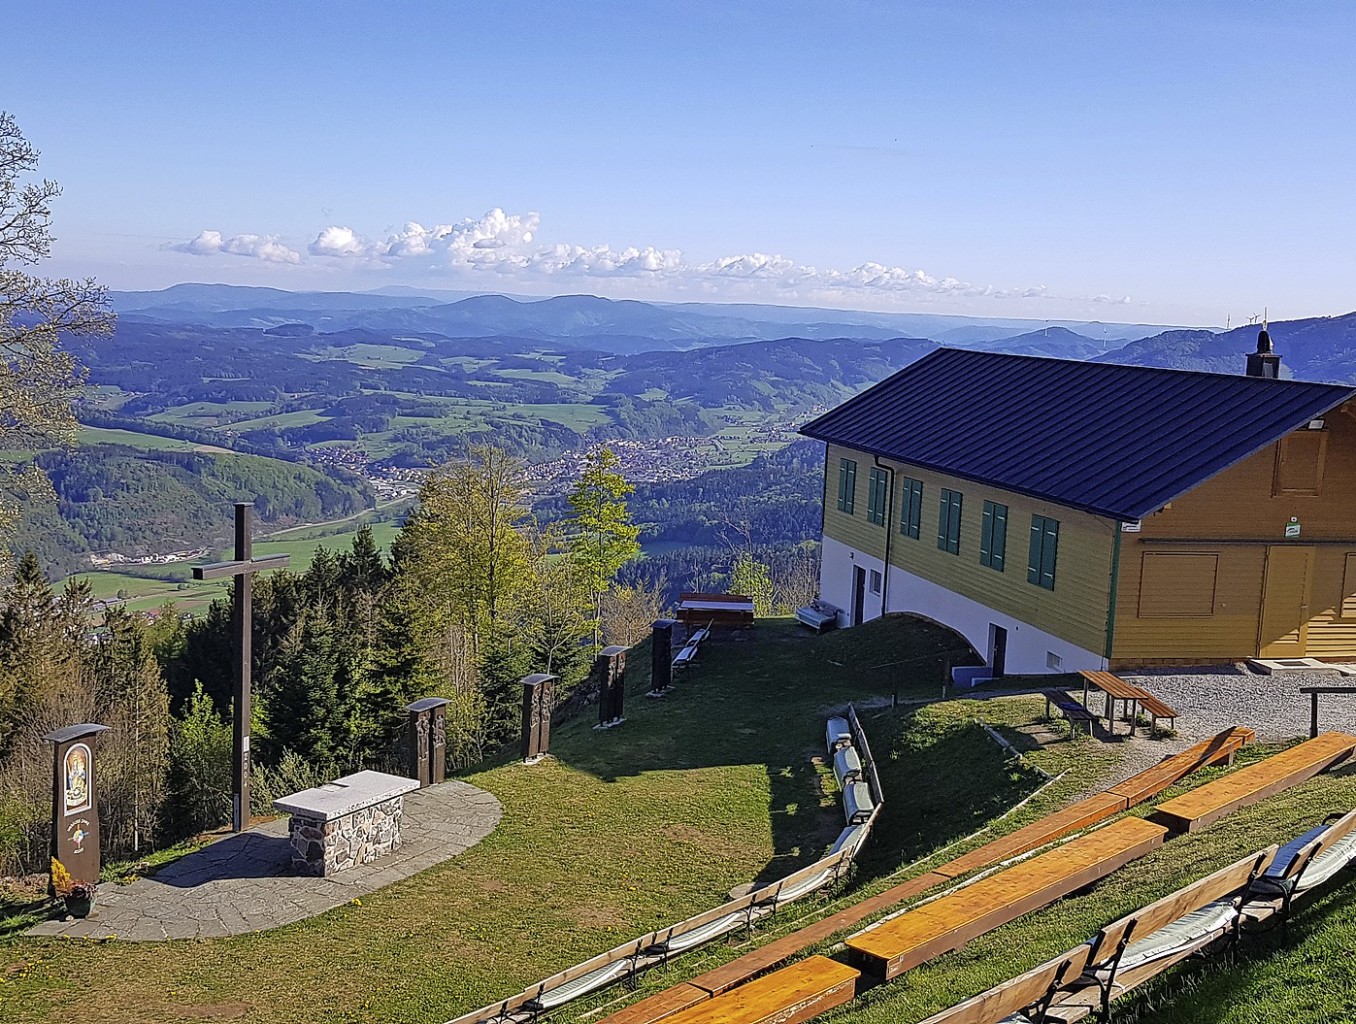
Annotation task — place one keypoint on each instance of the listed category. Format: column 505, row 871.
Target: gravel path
column 1211, row 699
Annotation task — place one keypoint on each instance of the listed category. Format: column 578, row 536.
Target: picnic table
column 715, row 609
column 901, row 943
column 1116, row 689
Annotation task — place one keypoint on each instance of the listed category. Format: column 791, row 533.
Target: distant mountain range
column 1318, row 348
column 590, row 322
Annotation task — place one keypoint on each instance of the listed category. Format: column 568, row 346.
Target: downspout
column 889, row 535
column 1115, row 586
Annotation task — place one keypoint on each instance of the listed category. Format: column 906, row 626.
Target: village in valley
column 551, row 618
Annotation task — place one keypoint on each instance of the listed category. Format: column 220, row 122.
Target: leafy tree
column 37, row 381
column 603, row 538
column 630, row 610
column 752, row 578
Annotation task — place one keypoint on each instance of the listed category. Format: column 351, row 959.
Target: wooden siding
column 1076, row 610
column 1251, row 504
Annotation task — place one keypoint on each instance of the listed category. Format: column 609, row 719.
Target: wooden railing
column 648, row 949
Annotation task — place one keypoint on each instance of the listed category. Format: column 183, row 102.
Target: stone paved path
column 244, row 883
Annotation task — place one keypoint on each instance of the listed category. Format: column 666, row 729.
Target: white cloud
column 506, row 246
column 259, row 247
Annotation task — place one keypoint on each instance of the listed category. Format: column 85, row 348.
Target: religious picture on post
column 77, row 779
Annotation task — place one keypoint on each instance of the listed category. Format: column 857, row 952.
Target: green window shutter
column 949, row 522
column 847, row 486
column 994, row 535
column 1049, row 549
column 878, row 496
column 1044, row 551
column 911, row 508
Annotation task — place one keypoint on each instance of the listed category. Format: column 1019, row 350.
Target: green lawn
column 622, row 831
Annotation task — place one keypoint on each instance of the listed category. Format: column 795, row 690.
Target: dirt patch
column 680, row 833
column 216, row 1011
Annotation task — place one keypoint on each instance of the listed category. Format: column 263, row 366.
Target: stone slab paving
column 245, row 883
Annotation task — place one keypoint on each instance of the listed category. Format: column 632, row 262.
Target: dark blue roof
column 1119, row 441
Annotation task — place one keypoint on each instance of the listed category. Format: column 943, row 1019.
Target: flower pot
column 79, row 906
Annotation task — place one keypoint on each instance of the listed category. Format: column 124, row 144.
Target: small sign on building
column 1133, row 526
column 1292, row 528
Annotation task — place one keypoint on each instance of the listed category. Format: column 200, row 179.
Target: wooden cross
column 242, row 619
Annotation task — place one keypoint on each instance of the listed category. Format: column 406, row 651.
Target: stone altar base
column 345, row 823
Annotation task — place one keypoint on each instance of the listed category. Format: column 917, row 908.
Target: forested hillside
column 115, row 499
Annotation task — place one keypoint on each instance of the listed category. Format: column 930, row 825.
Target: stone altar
column 347, row 822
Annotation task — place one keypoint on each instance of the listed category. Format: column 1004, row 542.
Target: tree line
column 474, row 595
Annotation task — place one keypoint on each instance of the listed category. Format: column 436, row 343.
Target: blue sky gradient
column 1160, row 162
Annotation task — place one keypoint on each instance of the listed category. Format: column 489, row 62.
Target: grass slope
column 712, row 787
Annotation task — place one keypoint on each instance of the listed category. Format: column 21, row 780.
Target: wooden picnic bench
column 734, row 610
column 1209, row 803
column 1074, row 713
column 789, row 996
column 1133, row 698
column 899, row 944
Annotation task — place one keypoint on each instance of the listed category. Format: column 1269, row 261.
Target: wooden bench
column 1073, row 712
column 1302, row 866
column 1156, row 709
column 1218, row 749
column 1025, row 997
column 1247, row 786
column 731, row 610
column 791, row 995
column 901, row 943
column 689, row 651
column 1149, row 941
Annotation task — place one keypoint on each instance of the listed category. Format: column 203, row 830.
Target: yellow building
column 1066, row 515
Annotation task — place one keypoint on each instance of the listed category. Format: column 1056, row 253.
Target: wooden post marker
column 242, row 569
column 75, row 800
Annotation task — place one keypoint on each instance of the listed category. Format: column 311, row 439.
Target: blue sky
column 1181, row 163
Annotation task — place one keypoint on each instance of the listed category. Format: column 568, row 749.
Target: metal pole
column 240, row 733
column 1313, row 716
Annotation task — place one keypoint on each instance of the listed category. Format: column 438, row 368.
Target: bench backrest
column 1307, row 853
column 1108, row 942
column 1022, row 991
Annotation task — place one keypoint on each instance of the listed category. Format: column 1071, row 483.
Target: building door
column 1284, row 630
column 998, row 650
column 858, row 594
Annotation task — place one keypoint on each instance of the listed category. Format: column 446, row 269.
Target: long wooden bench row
column 1214, row 800
column 898, row 944
column 1219, row 749
column 1215, row 910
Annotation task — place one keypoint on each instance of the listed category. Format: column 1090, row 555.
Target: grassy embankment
column 715, row 786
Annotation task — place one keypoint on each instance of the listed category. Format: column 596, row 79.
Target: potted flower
column 79, row 896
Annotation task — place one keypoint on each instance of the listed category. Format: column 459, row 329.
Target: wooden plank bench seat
column 1148, row 941
column 1149, row 783
column 847, row 766
column 1025, row 997
column 901, row 943
column 1209, row 803
column 1073, row 711
column 1301, row 866
column 1156, row 709
column 789, row 996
